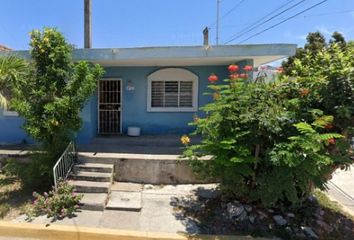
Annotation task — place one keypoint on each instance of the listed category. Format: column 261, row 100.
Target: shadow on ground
column 207, row 212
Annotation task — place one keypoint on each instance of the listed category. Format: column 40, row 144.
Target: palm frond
column 11, row 67
column 3, row 102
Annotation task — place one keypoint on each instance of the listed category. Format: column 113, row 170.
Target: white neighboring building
column 266, row 73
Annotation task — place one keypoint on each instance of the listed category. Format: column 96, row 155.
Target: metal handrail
column 62, row 168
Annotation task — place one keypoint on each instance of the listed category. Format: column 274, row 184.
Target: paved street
column 341, row 188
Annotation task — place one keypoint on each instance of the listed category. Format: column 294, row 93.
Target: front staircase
column 94, row 181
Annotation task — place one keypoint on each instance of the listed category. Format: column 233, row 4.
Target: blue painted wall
column 10, row 130
column 134, row 110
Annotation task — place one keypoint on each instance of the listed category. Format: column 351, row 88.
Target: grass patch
column 14, row 200
column 326, row 202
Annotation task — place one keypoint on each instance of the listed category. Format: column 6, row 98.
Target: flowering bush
column 57, row 203
column 274, row 142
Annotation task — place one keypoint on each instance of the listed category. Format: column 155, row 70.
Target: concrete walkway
column 156, row 215
column 341, row 188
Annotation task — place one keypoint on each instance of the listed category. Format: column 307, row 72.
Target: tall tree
column 315, row 43
column 52, row 94
column 339, row 39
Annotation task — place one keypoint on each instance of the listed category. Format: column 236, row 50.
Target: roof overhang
column 184, row 55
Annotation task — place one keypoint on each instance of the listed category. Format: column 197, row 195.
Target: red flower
column 329, row 126
column 280, row 69
column 243, row 75
column 234, row 76
column 233, row 68
column 304, row 92
column 213, row 78
column 248, row 68
column 331, row 141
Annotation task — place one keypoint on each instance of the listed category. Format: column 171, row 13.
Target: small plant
column 58, row 203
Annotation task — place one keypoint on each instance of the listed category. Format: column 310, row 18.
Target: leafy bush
column 58, row 203
column 36, row 174
column 50, row 97
column 274, row 142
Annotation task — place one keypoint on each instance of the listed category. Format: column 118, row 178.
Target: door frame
column 121, row 107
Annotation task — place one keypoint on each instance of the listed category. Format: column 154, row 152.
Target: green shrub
column 36, row 174
column 274, row 142
column 49, row 96
column 4, row 209
column 58, row 203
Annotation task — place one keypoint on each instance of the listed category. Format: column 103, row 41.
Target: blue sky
column 132, row 23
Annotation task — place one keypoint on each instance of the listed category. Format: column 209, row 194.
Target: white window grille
column 172, row 89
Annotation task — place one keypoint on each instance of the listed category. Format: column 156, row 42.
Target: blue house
column 157, row 89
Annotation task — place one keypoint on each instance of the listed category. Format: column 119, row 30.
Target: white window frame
column 7, row 113
column 173, row 74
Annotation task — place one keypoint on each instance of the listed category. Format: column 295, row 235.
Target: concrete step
column 92, row 176
column 94, row 167
column 94, row 201
column 128, row 201
column 90, row 187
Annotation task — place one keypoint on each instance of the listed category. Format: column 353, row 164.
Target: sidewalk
column 341, row 188
column 157, row 213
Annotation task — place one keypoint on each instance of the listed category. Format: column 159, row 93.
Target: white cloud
column 324, row 30
column 292, row 35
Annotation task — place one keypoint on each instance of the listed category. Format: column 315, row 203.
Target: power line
column 232, row 9
column 218, row 16
column 329, row 13
column 285, row 20
column 238, row 35
column 259, row 20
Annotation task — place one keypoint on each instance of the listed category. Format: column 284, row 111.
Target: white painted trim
column 121, row 105
column 173, row 74
column 6, row 113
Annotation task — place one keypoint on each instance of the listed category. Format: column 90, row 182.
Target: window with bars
column 171, row 94
column 165, row 93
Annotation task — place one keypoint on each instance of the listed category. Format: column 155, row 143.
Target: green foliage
column 11, row 68
column 34, row 174
column 316, row 43
column 51, row 95
column 274, row 142
column 58, row 203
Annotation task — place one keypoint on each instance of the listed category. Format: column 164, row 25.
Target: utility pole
column 217, row 21
column 87, row 24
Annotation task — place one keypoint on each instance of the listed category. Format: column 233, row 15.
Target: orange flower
column 329, row 126
column 331, row 141
column 304, row 92
column 216, row 96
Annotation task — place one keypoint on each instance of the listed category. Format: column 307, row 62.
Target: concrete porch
column 153, row 159
column 146, row 144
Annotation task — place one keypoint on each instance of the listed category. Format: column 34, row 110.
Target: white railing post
column 64, row 164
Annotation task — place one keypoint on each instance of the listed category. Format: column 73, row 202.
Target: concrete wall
column 134, row 110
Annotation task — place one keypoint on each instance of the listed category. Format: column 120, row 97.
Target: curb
column 40, row 231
